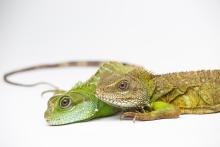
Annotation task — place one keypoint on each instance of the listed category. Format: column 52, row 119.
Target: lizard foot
column 133, row 116
column 147, row 116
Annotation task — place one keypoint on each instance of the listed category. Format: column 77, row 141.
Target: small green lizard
column 76, row 105
column 161, row 96
column 79, row 103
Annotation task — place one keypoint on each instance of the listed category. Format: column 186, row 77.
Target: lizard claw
column 137, row 116
column 129, row 115
column 134, row 119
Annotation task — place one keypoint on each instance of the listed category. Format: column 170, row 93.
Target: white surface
column 163, row 36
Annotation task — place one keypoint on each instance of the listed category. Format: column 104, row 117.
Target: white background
column 163, row 36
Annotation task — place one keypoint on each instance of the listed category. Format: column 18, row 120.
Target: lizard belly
column 190, row 99
column 199, row 100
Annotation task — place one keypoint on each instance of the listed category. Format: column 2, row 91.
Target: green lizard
column 76, row 105
column 79, row 103
column 161, row 96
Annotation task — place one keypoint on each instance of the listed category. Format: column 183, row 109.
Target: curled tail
column 49, row 66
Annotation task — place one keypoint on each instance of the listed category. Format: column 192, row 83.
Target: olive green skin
column 193, row 92
column 166, row 96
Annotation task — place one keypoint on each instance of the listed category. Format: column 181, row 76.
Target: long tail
column 49, row 66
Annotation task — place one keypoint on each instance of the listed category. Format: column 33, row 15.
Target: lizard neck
column 150, row 89
column 146, row 77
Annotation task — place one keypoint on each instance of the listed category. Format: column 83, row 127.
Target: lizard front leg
column 160, row 110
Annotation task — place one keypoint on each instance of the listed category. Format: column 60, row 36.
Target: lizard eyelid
column 123, row 85
column 65, row 102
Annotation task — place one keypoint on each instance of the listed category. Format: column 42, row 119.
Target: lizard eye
column 123, row 85
column 65, row 102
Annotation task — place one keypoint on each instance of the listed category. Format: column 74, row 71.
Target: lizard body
column 165, row 96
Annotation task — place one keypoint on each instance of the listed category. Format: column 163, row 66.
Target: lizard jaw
column 119, row 102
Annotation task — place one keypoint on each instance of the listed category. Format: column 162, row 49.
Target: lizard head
column 78, row 104
column 123, row 90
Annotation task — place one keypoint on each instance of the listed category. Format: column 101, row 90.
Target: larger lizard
column 162, row 96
